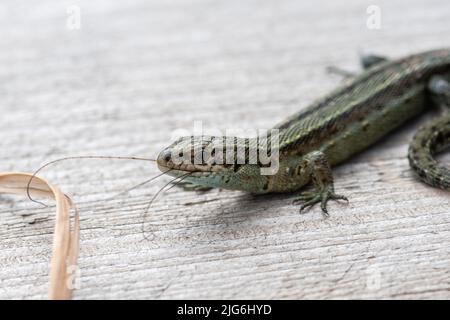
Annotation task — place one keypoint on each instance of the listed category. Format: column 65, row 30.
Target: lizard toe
column 322, row 197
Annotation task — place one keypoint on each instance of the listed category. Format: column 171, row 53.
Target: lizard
column 329, row 131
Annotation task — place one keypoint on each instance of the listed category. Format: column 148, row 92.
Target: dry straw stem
column 65, row 242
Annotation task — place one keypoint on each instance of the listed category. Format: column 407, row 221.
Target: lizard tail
column 429, row 140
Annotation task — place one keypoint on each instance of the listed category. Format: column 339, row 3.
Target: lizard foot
column 309, row 199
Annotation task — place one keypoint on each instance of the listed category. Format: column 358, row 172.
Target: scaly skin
column 331, row 130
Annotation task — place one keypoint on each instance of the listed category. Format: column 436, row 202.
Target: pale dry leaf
column 65, row 242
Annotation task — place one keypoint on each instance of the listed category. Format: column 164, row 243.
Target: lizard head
column 218, row 162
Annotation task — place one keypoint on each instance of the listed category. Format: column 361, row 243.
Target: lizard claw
column 309, row 199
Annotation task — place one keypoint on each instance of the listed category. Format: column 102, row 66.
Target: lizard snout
column 165, row 158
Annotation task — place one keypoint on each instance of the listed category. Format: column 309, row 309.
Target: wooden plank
column 137, row 71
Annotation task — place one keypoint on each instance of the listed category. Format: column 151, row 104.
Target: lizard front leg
column 316, row 166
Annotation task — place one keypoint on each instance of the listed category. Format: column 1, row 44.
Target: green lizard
column 331, row 130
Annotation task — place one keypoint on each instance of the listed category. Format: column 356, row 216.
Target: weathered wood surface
column 138, row 70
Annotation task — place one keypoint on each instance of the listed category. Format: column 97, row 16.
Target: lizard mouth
column 185, row 168
column 180, row 170
column 165, row 162
column 174, row 171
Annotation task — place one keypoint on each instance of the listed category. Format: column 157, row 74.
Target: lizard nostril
column 167, row 156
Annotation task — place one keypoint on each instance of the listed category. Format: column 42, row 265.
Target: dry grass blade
column 65, row 241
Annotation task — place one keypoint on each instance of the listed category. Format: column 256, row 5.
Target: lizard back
column 361, row 112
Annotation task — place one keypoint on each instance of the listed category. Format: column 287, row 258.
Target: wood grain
column 135, row 73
